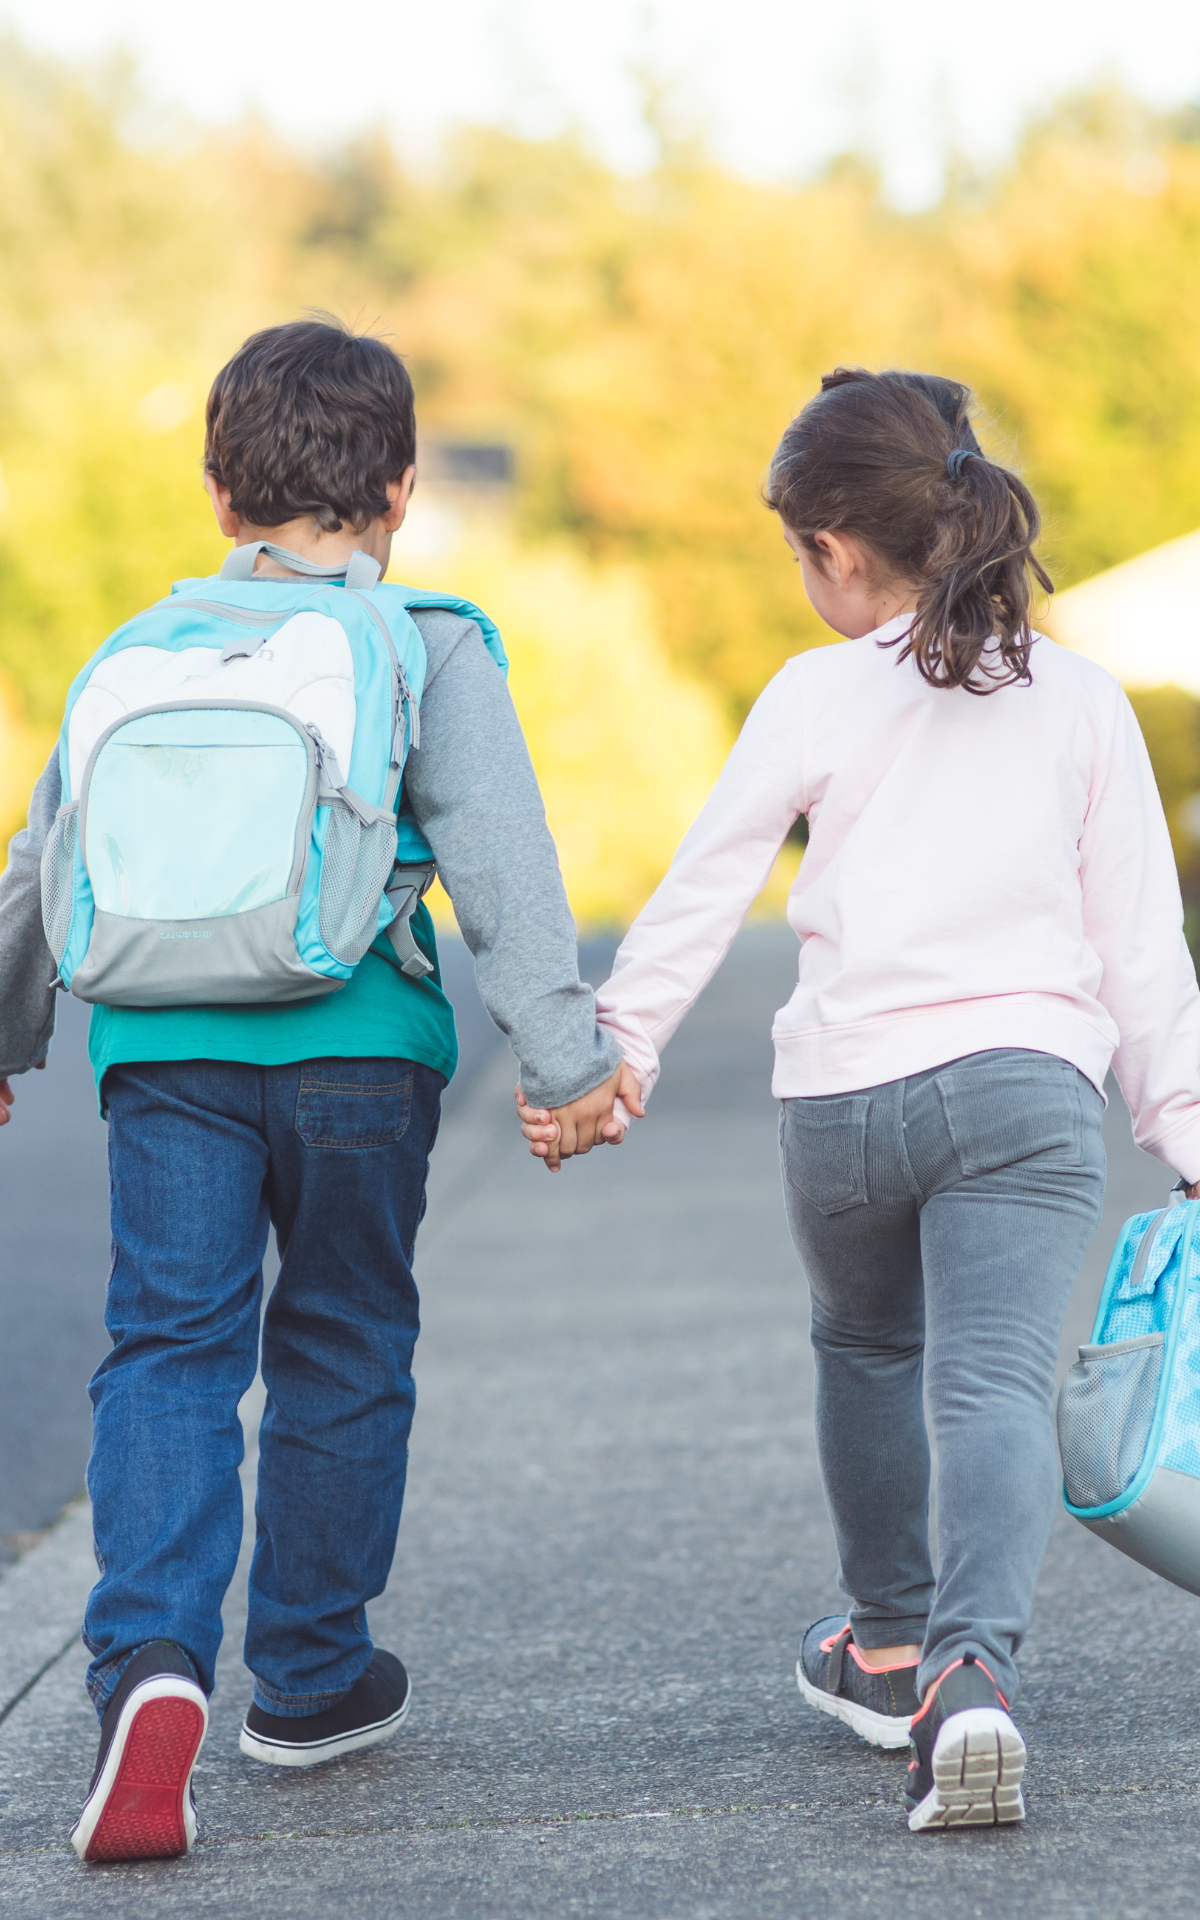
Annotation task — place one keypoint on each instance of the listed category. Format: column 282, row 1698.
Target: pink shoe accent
column 931, row 1692
column 899, row 1666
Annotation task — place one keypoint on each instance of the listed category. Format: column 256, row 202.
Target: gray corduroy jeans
column 941, row 1220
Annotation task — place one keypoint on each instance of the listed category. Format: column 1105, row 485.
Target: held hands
column 555, row 1135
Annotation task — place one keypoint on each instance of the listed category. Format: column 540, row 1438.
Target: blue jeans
column 204, row 1156
column 941, row 1221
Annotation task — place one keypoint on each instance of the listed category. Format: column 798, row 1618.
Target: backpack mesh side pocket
column 355, row 867
column 58, row 887
column 1105, row 1409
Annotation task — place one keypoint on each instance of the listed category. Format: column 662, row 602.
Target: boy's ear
column 399, row 493
column 229, row 522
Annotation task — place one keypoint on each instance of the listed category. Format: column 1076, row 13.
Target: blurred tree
column 639, row 342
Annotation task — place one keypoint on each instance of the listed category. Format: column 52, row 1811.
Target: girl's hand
column 555, row 1134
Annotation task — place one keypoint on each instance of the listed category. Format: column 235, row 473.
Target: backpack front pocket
column 192, row 813
column 1105, row 1411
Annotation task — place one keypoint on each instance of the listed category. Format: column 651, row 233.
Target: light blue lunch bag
column 1129, row 1409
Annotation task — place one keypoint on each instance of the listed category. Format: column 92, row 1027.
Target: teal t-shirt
column 380, row 1013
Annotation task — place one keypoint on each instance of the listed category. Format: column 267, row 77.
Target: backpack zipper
column 241, row 616
column 404, row 699
column 403, row 705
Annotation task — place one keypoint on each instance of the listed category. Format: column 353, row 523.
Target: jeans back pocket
column 823, row 1144
column 1008, row 1106
column 352, row 1104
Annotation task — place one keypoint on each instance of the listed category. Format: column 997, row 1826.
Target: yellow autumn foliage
column 638, row 343
column 626, row 748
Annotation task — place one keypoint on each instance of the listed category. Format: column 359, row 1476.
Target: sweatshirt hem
column 870, row 1053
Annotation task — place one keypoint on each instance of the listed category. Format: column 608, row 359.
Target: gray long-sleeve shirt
column 475, row 796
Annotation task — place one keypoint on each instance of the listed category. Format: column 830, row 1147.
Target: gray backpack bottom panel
column 241, row 959
column 1161, row 1529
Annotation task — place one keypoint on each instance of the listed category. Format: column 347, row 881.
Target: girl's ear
column 845, row 560
column 836, row 557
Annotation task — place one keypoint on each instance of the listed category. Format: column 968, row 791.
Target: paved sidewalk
column 614, row 1536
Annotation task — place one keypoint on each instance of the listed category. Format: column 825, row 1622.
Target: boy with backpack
column 226, row 855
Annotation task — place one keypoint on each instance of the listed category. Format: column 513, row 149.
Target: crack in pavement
column 24, row 1692
column 516, row 1823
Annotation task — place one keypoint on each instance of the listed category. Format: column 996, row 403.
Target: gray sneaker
column 878, row 1702
column 968, row 1760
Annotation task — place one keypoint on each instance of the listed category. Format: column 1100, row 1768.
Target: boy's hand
column 555, row 1134
column 7, row 1096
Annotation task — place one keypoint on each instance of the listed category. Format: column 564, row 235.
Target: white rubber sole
column 881, row 1729
column 141, row 1806
column 313, row 1753
column 978, row 1766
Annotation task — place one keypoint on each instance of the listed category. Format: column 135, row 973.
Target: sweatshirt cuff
column 559, row 1093
column 637, row 1049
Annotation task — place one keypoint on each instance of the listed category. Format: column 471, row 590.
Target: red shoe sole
column 143, row 1814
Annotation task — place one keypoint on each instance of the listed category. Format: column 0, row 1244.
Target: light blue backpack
column 1129, row 1409
column 231, row 763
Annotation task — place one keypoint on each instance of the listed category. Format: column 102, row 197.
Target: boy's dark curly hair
column 309, row 418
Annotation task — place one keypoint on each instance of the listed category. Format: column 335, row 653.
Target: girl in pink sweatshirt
column 989, row 916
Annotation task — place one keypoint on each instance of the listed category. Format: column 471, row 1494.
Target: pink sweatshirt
column 981, row 872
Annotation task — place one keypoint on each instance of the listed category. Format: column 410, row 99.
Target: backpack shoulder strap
column 418, row 601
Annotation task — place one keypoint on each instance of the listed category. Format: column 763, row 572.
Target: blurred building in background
column 1140, row 620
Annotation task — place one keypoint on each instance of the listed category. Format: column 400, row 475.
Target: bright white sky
column 778, row 85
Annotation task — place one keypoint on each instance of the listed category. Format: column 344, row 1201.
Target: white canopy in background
column 1141, row 620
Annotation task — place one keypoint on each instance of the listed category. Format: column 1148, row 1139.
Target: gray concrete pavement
column 53, row 1268
column 613, row 1538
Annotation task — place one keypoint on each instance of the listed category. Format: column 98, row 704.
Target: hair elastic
column 956, row 461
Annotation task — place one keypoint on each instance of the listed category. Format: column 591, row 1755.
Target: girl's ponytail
column 892, row 459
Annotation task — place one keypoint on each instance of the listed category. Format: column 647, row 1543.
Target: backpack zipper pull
column 331, row 785
column 330, row 782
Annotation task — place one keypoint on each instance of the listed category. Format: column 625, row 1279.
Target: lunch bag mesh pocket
column 1105, row 1410
column 58, row 888
column 355, row 867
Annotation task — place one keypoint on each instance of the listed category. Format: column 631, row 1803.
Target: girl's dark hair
column 868, row 456
column 309, row 418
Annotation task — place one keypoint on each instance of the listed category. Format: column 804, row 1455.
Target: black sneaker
column 968, row 1759
column 140, row 1804
column 372, row 1711
column 878, row 1702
